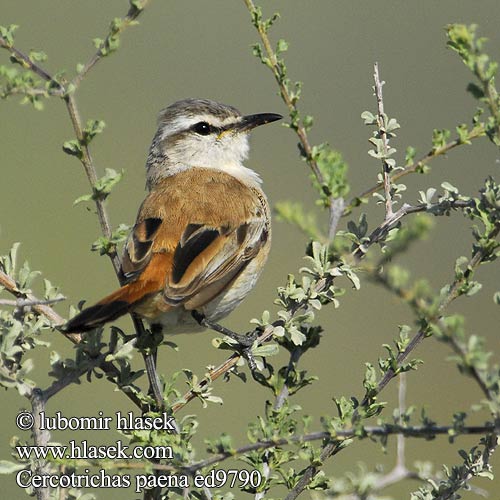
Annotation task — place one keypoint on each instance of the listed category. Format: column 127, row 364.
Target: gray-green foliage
column 284, row 443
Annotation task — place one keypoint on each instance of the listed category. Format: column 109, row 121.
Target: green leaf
column 80, row 199
column 124, row 352
column 73, row 148
column 92, row 128
column 368, row 118
column 138, row 5
column 296, row 336
column 105, row 184
column 293, row 213
column 448, row 187
column 281, row 46
column 308, row 121
column 106, row 246
column 266, row 350
column 7, row 467
column 7, row 33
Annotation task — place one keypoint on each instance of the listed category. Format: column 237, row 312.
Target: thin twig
column 335, row 205
column 27, row 63
column 336, row 209
column 292, row 363
column 221, row 369
column 477, row 131
column 423, row 431
column 127, row 21
column 150, row 363
column 30, row 303
column 88, row 165
column 45, row 310
column 406, row 209
column 60, row 384
column 285, row 94
column 86, row 159
column 279, row 401
column 400, row 454
column 90, row 172
column 472, row 368
column 40, row 438
column 490, row 444
column 453, row 293
column 399, row 471
column 381, row 123
column 28, row 92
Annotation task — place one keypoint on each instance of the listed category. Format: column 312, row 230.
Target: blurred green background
column 202, row 49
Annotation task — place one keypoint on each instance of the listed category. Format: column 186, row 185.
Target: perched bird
column 202, row 234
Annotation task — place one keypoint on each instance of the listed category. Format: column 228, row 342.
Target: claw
column 246, row 352
column 245, row 342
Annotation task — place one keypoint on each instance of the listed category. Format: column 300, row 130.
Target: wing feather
column 211, row 235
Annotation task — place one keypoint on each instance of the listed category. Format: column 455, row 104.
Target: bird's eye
column 202, row 128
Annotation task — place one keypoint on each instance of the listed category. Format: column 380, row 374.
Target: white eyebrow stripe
column 186, row 122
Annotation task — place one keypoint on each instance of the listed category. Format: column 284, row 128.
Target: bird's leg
column 245, row 341
column 149, row 356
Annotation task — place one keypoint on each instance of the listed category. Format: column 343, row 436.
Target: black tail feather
column 94, row 316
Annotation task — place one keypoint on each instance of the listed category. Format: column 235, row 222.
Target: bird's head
column 203, row 133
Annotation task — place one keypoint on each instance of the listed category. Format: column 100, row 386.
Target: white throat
column 226, row 152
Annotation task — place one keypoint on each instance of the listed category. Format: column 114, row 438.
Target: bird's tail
column 108, row 309
column 121, row 301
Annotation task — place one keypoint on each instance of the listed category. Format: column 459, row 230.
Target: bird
column 202, row 234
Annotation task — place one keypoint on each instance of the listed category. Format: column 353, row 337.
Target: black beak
column 251, row 121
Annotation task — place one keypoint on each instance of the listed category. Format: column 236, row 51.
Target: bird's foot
column 245, row 342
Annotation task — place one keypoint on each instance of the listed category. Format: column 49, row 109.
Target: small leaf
column 368, row 118
column 7, row 467
column 80, row 199
column 266, row 350
column 450, row 188
column 281, row 46
column 73, row 148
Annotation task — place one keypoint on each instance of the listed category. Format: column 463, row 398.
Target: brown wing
column 208, row 222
